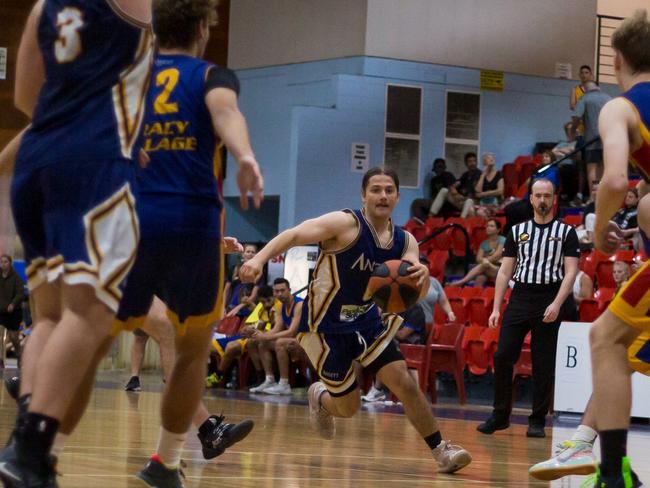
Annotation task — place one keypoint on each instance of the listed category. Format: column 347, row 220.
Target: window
column 402, row 137
column 462, row 124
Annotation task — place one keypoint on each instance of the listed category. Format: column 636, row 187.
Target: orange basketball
column 391, row 288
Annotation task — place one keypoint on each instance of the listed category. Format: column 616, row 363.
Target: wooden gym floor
column 376, row 448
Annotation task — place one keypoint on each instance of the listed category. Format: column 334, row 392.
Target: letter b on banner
column 571, row 357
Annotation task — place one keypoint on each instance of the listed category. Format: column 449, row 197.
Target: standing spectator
column 541, row 255
column 586, row 75
column 570, row 168
column 489, row 188
column 488, row 257
column 587, row 111
column 11, row 302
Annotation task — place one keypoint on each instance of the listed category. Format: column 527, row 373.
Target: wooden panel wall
column 13, row 14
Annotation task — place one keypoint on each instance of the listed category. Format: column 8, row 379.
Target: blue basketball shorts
column 77, row 221
column 185, row 272
column 333, row 355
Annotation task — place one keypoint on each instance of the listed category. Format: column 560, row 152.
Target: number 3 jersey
column 97, row 64
column 180, row 189
column 335, row 301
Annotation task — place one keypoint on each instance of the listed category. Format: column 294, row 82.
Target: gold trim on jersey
column 632, row 302
column 353, row 242
column 130, row 92
column 375, row 236
column 110, row 283
column 644, row 134
column 392, row 323
column 322, row 289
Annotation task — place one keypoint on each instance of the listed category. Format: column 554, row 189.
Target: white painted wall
column 275, row 32
column 621, row 8
column 520, row 36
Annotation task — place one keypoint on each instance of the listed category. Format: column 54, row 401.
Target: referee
column 541, row 256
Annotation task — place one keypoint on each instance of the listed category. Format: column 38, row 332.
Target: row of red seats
column 452, row 239
column 451, row 347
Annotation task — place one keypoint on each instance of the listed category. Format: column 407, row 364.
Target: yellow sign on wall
column 492, row 80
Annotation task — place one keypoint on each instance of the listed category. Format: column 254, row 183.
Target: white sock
column 284, row 381
column 59, row 444
column 585, row 433
column 270, row 378
column 170, row 446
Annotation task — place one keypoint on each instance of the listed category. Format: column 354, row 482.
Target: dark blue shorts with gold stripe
column 77, row 221
column 333, row 355
column 184, row 271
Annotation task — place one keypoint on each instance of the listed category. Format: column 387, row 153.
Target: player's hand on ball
column 493, row 321
column 250, row 271
column 418, row 273
column 231, row 245
column 551, row 313
column 609, row 238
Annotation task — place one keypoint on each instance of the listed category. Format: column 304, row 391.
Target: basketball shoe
column 571, row 457
column 320, row 419
column 626, row 479
column 216, row 435
column 156, row 474
column 450, row 458
column 133, row 384
column 15, row 474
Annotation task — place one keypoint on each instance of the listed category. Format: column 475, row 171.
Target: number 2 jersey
column 179, row 192
column 97, row 64
column 335, row 301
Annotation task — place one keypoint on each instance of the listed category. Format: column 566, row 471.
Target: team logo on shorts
column 523, row 237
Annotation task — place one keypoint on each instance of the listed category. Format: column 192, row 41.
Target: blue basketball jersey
column 180, row 189
column 335, row 301
column 639, row 97
column 287, row 315
column 97, row 67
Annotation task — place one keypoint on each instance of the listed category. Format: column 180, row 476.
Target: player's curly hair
column 176, row 22
column 632, row 39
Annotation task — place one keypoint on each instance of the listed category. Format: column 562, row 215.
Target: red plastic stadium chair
column 477, row 357
column 437, row 263
column 574, row 220
column 524, row 366
column 510, row 174
column 525, row 171
column 229, row 325
column 446, row 355
column 415, row 356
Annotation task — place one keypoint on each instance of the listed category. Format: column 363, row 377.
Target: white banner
column 573, row 373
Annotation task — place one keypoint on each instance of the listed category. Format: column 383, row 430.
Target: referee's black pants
column 523, row 315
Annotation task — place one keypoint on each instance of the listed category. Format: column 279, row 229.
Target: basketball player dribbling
column 624, row 128
column 339, row 327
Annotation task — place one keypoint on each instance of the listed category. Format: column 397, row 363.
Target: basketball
column 391, row 288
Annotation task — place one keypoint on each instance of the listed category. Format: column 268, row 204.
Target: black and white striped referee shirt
column 540, row 250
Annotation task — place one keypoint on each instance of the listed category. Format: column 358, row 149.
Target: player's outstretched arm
column 230, row 125
column 339, row 226
column 616, row 119
column 30, row 70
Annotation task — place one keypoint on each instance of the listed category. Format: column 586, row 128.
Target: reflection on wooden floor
column 120, row 431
